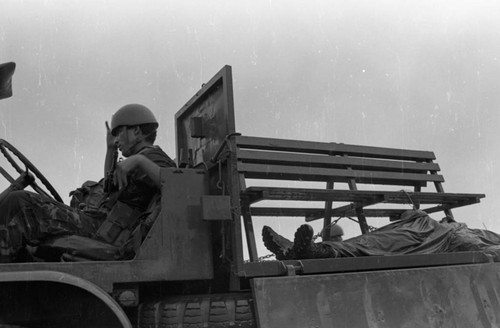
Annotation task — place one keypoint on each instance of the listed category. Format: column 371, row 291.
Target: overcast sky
column 406, row 74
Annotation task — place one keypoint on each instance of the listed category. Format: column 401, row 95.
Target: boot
column 303, row 241
column 277, row 244
column 305, row 248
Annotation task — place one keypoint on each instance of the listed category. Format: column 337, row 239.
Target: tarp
column 417, row 233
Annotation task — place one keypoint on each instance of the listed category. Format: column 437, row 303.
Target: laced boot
column 303, row 241
column 304, row 247
column 275, row 243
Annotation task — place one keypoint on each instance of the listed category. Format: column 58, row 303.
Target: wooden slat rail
column 308, row 173
column 303, row 159
column 331, row 148
column 392, row 169
column 255, row 194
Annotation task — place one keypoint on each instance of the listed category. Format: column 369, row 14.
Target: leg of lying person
column 27, row 218
column 278, row 245
column 303, row 246
column 414, row 233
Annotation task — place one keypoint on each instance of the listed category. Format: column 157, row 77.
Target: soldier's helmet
column 130, row 115
column 336, row 231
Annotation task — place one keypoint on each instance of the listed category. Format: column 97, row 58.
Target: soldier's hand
column 110, row 139
column 120, row 175
column 136, row 162
column 123, row 169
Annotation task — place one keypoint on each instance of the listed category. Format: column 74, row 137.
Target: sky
column 402, row 74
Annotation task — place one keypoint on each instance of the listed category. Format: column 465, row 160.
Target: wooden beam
column 337, row 195
column 315, row 160
column 285, row 172
column 350, row 208
column 332, row 148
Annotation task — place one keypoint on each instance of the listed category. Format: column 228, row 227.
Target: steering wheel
column 27, row 177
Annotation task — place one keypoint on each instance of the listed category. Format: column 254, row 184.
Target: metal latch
column 293, row 269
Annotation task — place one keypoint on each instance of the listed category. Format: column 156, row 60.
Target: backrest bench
column 382, row 172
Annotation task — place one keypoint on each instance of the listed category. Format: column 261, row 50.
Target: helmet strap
column 131, row 145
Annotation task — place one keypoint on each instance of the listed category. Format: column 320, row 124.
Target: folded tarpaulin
column 417, row 233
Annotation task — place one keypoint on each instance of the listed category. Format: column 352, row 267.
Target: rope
column 409, row 198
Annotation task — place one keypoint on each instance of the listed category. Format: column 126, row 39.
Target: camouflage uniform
column 27, row 218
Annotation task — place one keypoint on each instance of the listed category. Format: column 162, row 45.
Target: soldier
column 282, row 247
column 414, row 233
column 27, row 218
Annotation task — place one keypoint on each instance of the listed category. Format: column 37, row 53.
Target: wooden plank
column 285, row 211
column 249, row 232
column 301, row 194
column 313, row 160
column 327, row 213
column 445, row 207
column 431, row 198
column 394, row 197
column 317, row 213
column 363, row 225
column 439, row 188
column 354, row 206
column 373, row 213
column 312, row 214
column 331, row 148
column 283, row 172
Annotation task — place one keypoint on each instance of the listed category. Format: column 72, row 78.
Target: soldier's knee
column 13, row 202
column 17, row 195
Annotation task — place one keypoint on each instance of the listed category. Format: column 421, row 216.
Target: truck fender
column 30, row 297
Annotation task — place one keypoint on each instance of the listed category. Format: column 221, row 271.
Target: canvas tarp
column 417, row 233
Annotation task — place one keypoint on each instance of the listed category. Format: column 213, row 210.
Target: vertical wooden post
column 363, row 225
column 328, row 214
column 249, row 233
column 439, row 188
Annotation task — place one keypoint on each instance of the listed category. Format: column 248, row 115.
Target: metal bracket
column 293, row 269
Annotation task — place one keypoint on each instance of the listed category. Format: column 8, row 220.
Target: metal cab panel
column 454, row 296
column 205, row 121
column 180, row 237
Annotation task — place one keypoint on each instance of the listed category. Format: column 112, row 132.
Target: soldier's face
column 126, row 139
column 336, row 238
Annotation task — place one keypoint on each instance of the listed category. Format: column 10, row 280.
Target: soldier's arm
column 137, row 162
column 110, row 150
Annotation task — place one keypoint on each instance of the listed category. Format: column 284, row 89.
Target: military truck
column 191, row 268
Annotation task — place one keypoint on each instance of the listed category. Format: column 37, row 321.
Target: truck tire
column 202, row 311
